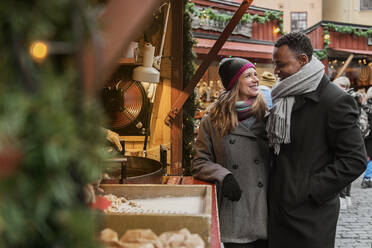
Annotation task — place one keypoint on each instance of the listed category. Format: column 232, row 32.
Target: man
column 318, row 148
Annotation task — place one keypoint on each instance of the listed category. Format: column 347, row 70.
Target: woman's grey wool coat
column 245, row 154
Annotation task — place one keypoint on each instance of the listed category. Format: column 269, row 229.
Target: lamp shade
column 145, row 72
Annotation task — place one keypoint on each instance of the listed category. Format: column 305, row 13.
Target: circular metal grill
column 133, row 102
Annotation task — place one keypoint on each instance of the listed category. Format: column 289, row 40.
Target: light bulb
column 38, row 50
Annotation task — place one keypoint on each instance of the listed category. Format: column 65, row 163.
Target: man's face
column 286, row 62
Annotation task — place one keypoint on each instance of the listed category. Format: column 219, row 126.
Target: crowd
column 283, row 158
column 364, row 103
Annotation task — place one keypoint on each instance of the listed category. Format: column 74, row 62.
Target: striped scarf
column 243, row 109
column 283, row 93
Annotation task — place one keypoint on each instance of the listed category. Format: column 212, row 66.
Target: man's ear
column 304, row 59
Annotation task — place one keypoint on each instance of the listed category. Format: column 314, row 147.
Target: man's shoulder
column 330, row 92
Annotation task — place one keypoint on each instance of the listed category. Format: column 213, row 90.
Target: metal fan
column 126, row 105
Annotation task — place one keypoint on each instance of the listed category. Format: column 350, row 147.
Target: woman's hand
column 231, row 188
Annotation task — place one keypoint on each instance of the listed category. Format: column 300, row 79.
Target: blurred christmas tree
column 50, row 139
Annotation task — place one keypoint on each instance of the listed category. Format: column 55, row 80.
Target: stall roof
column 240, row 49
column 353, row 51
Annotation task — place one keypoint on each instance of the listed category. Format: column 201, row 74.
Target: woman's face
column 248, row 84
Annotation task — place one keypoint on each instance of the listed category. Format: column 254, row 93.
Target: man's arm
column 350, row 157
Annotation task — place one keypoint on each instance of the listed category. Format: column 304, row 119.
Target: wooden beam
column 339, row 73
column 177, row 106
column 121, row 22
column 177, row 85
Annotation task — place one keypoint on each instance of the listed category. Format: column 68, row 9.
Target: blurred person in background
column 267, row 79
column 344, row 83
column 366, row 182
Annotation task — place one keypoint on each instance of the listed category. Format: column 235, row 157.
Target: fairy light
column 327, row 36
column 204, row 15
column 38, row 50
column 276, row 30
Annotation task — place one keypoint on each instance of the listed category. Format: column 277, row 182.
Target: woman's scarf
column 283, row 95
column 243, row 109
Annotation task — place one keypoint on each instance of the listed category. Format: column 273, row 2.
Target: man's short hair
column 297, row 42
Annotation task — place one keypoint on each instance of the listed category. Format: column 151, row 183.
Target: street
column 354, row 229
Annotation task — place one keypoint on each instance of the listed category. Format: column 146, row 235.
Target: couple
column 278, row 177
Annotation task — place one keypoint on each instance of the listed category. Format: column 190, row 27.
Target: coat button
column 256, row 161
column 260, row 184
column 235, row 166
column 232, row 142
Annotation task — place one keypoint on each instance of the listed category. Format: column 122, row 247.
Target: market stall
column 345, row 49
column 143, row 185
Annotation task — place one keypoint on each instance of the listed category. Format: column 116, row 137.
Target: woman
column 231, row 150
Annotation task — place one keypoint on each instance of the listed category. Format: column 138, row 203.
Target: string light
column 276, row 30
column 204, row 15
column 38, row 50
column 327, row 36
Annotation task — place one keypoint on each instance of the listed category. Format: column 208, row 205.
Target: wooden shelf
column 128, row 61
column 133, row 138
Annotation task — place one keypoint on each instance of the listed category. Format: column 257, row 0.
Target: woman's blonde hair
column 223, row 114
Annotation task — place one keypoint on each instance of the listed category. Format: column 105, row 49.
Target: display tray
column 191, row 208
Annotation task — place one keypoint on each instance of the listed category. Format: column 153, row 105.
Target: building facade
column 252, row 39
column 297, row 15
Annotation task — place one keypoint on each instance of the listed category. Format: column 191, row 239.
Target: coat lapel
column 243, row 131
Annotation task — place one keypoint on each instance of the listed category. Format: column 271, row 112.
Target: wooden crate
column 196, row 223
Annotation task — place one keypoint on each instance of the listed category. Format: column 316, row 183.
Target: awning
column 240, row 49
column 353, row 51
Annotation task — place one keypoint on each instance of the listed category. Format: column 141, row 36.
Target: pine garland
column 223, row 19
column 44, row 118
column 322, row 54
column 188, row 71
column 348, row 30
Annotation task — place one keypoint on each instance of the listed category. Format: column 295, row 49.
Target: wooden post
column 177, row 85
column 339, row 73
column 325, row 63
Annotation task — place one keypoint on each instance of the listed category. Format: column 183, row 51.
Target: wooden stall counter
column 215, row 229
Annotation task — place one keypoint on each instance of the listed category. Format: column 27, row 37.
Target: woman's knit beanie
column 230, row 70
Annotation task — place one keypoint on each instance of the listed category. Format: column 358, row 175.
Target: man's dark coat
column 326, row 153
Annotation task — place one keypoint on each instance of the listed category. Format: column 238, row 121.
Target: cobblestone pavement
column 354, row 229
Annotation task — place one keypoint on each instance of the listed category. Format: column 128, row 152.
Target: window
column 298, row 21
column 365, row 4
